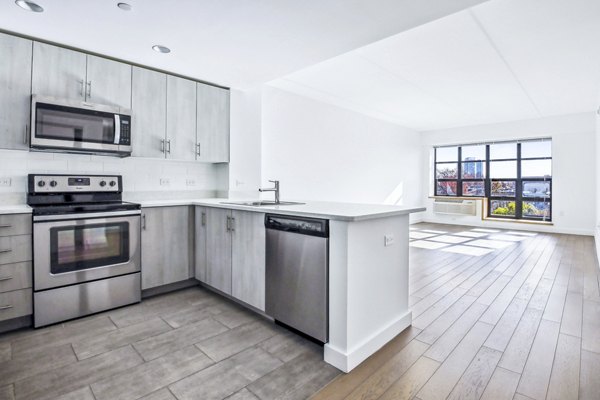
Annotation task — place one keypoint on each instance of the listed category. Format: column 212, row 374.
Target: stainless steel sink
column 258, row 203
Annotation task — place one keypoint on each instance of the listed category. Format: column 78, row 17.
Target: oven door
column 84, row 248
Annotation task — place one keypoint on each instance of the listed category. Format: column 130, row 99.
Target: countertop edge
column 270, row 209
column 16, row 209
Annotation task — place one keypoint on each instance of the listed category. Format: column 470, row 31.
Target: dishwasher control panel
column 302, row 225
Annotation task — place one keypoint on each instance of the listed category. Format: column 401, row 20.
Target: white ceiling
column 499, row 61
column 236, row 43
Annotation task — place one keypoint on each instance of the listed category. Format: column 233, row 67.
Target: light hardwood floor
column 496, row 315
column 190, row 344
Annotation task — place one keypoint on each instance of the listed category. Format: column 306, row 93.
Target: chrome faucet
column 274, row 189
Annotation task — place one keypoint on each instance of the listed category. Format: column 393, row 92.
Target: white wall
column 597, row 219
column 244, row 168
column 573, row 168
column 141, row 177
column 322, row 152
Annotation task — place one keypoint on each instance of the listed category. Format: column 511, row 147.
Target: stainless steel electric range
column 86, row 246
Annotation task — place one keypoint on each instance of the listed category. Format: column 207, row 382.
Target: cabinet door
column 58, row 72
column 218, row 249
column 248, row 258
column 149, row 113
column 15, row 95
column 212, row 133
column 200, row 244
column 181, row 118
column 165, row 246
column 108, row 82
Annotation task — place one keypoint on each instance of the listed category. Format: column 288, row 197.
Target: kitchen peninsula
column 368, row 271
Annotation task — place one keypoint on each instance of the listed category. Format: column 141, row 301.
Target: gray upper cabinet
column 15, row 95
column 212, row 132
column 218, row 249
column 58, row 72
column 149, row 113
column 181, row 118
column 108, row 82
column 248, row 258
column 166, row 245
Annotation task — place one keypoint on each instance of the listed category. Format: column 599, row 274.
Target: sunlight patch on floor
column 490, row 244
column 424, row 244
column 450, row 239
column 468, row 250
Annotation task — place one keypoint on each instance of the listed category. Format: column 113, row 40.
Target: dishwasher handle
column 300, row 225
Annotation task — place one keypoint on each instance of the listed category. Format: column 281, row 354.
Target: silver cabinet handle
column 26, row 135
column 89, row 88
column 162, row 145
column 5, row 278
column 144, row 221
column 203, row 219
column 5, row 307
column 81, row 83
column 5, row 251
column 198, row 149
column 6, row 226
column 228, row 225
column 232, row 224
column 169, row 146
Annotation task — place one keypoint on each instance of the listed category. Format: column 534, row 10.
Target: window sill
column 519, row 221
column 456, row 198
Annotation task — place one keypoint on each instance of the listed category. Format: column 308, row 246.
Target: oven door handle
column 69, row 217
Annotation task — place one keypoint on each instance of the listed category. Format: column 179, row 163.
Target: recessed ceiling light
column 29, row 5
column 161, row 49
column 125, row 6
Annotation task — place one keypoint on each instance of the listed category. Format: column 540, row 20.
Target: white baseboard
column 347, row 361
column 512, row 226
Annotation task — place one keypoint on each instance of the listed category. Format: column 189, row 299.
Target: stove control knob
column 41, row 183
column 113, row 183
column 53, row 183
column 102, row 183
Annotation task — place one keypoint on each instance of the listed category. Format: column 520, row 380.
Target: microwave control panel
column 125, row 126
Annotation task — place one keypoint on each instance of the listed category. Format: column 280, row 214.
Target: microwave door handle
column 117, row 129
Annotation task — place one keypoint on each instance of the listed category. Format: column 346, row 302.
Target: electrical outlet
column 165, row 182
column 190, row 182
column 388, row 240
column 6, row 181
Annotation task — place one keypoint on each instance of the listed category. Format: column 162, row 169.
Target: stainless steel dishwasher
column 298, row 273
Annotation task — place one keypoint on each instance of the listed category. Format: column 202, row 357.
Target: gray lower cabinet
column 58, row 72
column 218, row 249
column 108, row 82
column 212, row 133
column 149, row 113
column 15, row 266
column 200, row 243
column 230, row 253
column 15, row 95
column 181, row 119
column 248, row 258
column 166, row 245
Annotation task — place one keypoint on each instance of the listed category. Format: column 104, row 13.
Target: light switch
column 388, row 240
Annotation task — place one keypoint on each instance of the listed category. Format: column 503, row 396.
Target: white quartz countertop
column 15, row 209
column 316, row 209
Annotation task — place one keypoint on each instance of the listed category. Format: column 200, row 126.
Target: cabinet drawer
column 15, row 304
column 15, row 249
column 15, row 276
column 15, row 224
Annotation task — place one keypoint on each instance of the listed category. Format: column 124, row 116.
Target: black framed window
column 515, row 177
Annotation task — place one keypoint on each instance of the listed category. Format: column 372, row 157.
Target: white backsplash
column 142, row 177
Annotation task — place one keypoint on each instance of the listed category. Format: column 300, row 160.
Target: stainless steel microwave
column 79, row 127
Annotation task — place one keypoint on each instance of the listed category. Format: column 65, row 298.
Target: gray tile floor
column 190, row 344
